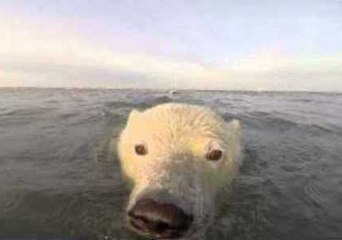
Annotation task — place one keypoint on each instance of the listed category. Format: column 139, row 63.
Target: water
column 59, row 177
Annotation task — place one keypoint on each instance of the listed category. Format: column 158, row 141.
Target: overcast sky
column 202, row 44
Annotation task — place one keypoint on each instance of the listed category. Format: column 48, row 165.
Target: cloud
column 47, row 55
column 275, row 69
column 37, row 52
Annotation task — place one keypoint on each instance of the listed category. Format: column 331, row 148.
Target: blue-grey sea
column 60, row 177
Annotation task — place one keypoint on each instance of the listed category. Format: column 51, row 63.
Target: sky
column 280, row 45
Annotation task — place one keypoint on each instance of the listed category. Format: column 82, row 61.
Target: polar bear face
column 178, row 158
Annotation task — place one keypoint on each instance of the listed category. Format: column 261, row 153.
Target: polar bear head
column 178, row 157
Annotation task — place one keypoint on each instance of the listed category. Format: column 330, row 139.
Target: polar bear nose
column 161, row 220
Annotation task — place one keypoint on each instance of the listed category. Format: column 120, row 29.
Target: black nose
column 161, row 220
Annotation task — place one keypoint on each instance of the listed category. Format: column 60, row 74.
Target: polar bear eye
column 140, row 149
column 214, row 155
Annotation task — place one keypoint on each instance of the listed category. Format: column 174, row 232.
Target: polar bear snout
column 157, row 219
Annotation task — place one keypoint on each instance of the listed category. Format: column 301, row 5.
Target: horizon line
column 170, row 89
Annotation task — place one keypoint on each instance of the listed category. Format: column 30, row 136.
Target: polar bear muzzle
column 157, row 219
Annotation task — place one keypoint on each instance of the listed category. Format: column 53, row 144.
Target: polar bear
column 178, row 158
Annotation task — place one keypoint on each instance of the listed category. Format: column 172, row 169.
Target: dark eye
column 140, row 149
column 214, row 155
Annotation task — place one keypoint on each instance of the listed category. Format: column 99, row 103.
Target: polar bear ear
column 133, row 115
column 234, row 129
column 234, row 126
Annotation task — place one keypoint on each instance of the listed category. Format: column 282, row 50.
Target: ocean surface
column 60, row 177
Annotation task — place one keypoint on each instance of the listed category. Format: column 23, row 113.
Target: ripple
column 312, row 193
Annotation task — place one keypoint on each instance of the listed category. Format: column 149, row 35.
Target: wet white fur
column 177, row 138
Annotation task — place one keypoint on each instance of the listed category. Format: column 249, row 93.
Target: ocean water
column 60, row 178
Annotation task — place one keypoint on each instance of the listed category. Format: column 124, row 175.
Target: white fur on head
column 177, row 138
